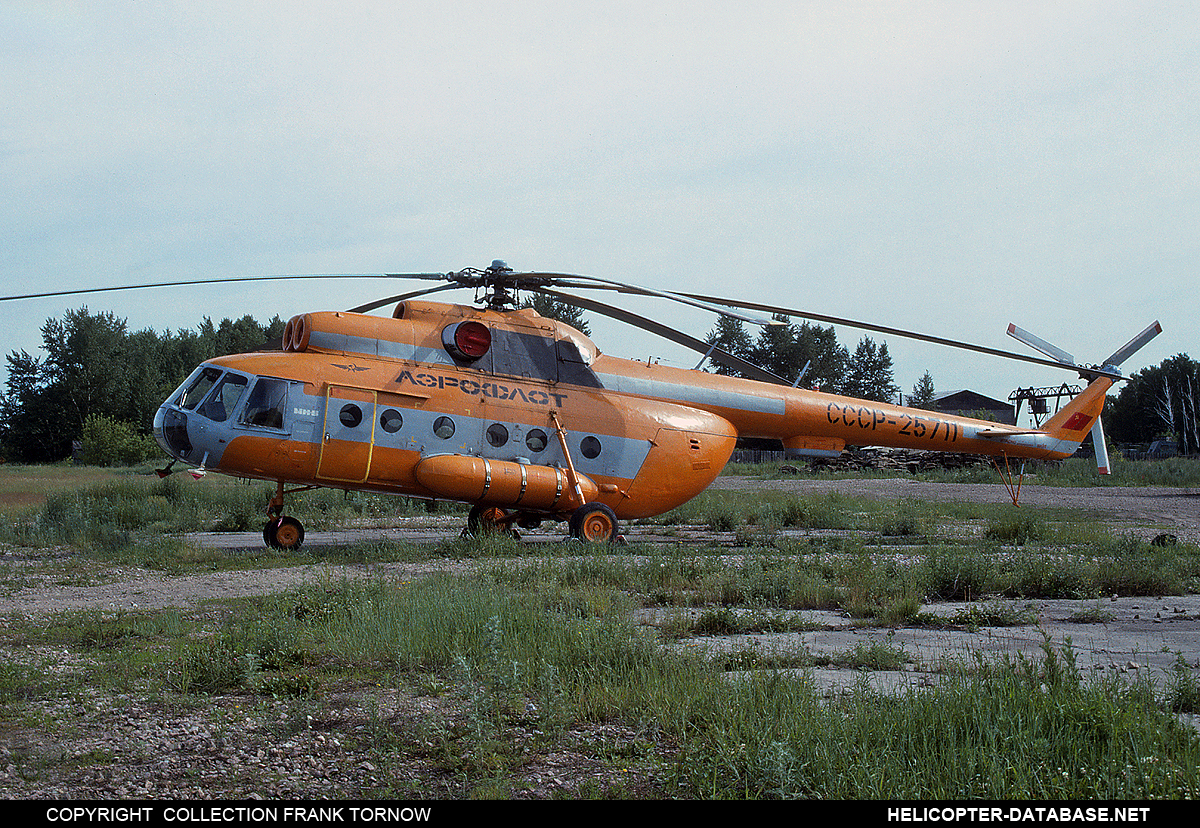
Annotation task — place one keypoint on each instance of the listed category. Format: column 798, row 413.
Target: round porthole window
column 497, row 435
column 536, row 440
column 590, row 447
column 350, row 415
column 443, row 427
column 391, row 421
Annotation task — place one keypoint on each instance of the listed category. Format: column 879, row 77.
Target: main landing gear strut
column 592, row 522
column 282, row 531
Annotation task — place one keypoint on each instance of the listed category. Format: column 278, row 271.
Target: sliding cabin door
column 349, row 437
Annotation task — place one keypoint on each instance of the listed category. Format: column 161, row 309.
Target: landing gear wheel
column 594, row 523
column 283, row 532
column 486, row 520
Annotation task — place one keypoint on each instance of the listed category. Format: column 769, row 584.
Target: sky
column 943, row 167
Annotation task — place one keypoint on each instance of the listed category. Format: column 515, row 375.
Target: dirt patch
column 20, row 500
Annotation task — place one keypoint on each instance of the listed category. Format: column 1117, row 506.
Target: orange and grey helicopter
column 524, row 418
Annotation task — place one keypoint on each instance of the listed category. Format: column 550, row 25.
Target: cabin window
column 391, row 421
column 536, row 440
column 350, row 415
column 590, row 447
column 266, row 405
column 443, row 427
column 497, row 435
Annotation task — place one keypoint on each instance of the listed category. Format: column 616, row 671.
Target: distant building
column 972, row 404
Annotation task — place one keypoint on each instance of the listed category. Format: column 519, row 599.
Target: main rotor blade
column 572, row 280
column 867, row 326
column 229, row 280
column 379, row 303
column 748, row 368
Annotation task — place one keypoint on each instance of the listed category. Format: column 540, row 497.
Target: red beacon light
column 468, row 340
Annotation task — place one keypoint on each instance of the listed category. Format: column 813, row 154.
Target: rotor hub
column 496, row 286
column 498, row 280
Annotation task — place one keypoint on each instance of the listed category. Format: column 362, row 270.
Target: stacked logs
column 885, row 459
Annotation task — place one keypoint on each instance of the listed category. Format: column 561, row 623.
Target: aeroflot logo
column 494, row 390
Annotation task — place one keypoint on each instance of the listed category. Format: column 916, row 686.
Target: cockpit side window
column 267, row 403
column 224, row 398
column 198, row 388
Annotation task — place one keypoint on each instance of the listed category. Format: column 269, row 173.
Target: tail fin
column 1076, row 419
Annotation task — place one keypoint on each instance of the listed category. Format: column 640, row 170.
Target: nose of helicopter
column 171, row 432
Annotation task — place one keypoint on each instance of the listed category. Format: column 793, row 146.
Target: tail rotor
column 1109, row 365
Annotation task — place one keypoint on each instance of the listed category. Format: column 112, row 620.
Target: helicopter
column 524, row 417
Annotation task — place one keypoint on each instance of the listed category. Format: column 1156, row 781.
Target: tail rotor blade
column 1123, row 353
column 1039, row 344
column 1101, row 447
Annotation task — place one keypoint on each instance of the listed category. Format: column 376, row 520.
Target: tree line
column 94, row 367
column 97, row 376
column 811, row 354
column 1160, row 402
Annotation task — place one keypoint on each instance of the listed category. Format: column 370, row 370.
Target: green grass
column 999, row 737
column 1075, row 471
column 26, row 487
column 724, row 511
column 979, row 615
column 133, row 517
column 528, row 654
column 1021, row 728
column 872, row 559
column 1183, row 694
column 757, row 515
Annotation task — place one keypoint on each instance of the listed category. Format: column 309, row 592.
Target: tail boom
column 817, row 424
column 1062, row 433
column 825, row 424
